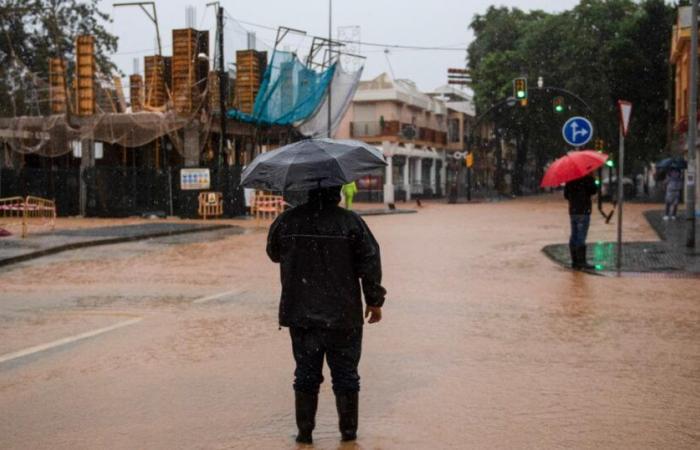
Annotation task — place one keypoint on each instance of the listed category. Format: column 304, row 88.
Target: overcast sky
column 405, row 22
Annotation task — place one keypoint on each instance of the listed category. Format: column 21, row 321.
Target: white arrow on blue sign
column 577, row 131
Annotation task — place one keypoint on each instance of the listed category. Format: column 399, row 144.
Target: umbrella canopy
column 312, row 163
column 672, row 163
column 572, row 166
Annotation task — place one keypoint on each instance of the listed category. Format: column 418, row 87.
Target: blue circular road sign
column 577, row 131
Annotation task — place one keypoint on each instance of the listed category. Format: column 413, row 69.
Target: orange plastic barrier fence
column 26, row 211
column 266, row 206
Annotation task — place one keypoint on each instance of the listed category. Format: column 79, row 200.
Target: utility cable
column 376, row 44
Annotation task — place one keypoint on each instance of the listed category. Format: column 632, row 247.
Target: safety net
column 342, row 90
column 290, row 92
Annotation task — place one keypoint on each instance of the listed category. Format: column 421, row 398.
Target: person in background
column 674, row 185
column 326, row 255
column 578, row 192
column 349, row 191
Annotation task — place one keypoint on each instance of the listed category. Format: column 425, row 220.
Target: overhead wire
column 449, row 47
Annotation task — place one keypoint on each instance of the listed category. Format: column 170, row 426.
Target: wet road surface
column 485, row 343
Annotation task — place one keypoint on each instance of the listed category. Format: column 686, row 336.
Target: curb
column 552, row 258
column 621, row 273
column 108, row 241
column 385, row 212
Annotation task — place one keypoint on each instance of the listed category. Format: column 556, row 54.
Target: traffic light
column 469, row 159
column 520, row 88
column 599, row 145
column 558, row 104
column 610, row 163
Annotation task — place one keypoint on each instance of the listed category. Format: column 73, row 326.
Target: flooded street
column 485, row 343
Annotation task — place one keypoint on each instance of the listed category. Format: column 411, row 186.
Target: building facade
column 680, row 58
column 409, row 128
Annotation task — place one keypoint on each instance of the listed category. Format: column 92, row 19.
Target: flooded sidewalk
column 667, row 257
column 485, row 343
column 14, row 249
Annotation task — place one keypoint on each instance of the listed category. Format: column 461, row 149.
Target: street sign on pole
column 625, row 108
column 625, row 113
column 577, row 131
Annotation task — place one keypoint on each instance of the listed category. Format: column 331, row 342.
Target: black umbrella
column 672, row 163
column 312, row 163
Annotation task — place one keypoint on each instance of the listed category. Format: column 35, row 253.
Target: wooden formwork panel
column 85, row 68
column 250, row 69
column 189, row 73
column 120, row 93
column 154, row 71
column 168, row 75
column 57, row 85
column 136, row 92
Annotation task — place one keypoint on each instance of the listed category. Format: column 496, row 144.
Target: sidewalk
column 74, row 233
column 14, row 249
column 667, row 257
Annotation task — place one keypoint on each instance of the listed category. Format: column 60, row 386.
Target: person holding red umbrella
column 579, row 192
column 574, row 169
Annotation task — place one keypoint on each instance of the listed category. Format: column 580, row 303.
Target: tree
column 602, row 50
column 32, row 31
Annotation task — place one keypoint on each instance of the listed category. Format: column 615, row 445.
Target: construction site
column 184, row 125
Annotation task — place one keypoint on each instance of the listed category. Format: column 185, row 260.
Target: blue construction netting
column 290, row 92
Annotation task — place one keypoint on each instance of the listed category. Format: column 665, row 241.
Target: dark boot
column 581, row 257
column 574, row 257
column 346, row 403
column 306, row 405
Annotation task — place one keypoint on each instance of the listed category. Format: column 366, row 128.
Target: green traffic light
column 521, row 94
column 559, row 108
column 597, row 181
column 610, row 163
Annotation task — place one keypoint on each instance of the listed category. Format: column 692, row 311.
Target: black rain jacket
column 578, row 192
column 325, row 253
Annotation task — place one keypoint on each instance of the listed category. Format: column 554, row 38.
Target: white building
column 409, row 128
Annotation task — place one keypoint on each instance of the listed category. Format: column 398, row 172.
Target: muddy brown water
column 485, row 343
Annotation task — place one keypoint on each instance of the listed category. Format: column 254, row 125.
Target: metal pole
column 620, row 197
column 469, row 184
column 330, row 58
column 222, row 86
column 692, row 125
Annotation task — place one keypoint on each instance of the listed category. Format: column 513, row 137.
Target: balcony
column 391, row 130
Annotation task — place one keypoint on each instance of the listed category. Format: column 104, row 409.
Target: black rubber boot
column 582, row 263
column 306, row 405
column 346, row 403
column 574, row 256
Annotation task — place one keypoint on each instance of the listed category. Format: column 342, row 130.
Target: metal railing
column 398, row 129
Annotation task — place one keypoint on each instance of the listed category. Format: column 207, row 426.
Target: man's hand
column 374, row 313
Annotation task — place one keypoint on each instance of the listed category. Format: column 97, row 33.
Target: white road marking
column 216, row 296
column 66, row 341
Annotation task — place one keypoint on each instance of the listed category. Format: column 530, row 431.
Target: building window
column 453, row 130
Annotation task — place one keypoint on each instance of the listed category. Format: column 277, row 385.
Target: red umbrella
column 572, row 166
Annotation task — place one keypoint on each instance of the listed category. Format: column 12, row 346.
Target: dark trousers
column 342, row 349
column 579, row 229
column 672, row 200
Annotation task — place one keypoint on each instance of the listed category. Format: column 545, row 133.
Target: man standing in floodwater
column 326, row 253
column 578, row 192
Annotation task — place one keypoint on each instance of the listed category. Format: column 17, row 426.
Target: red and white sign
column 625, row 114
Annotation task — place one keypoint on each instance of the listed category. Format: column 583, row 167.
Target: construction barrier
column 26, row 211
column 210, row 204
column 266, row 206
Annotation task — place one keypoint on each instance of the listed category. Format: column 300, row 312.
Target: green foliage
column 601, row 50
column 32, row 31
